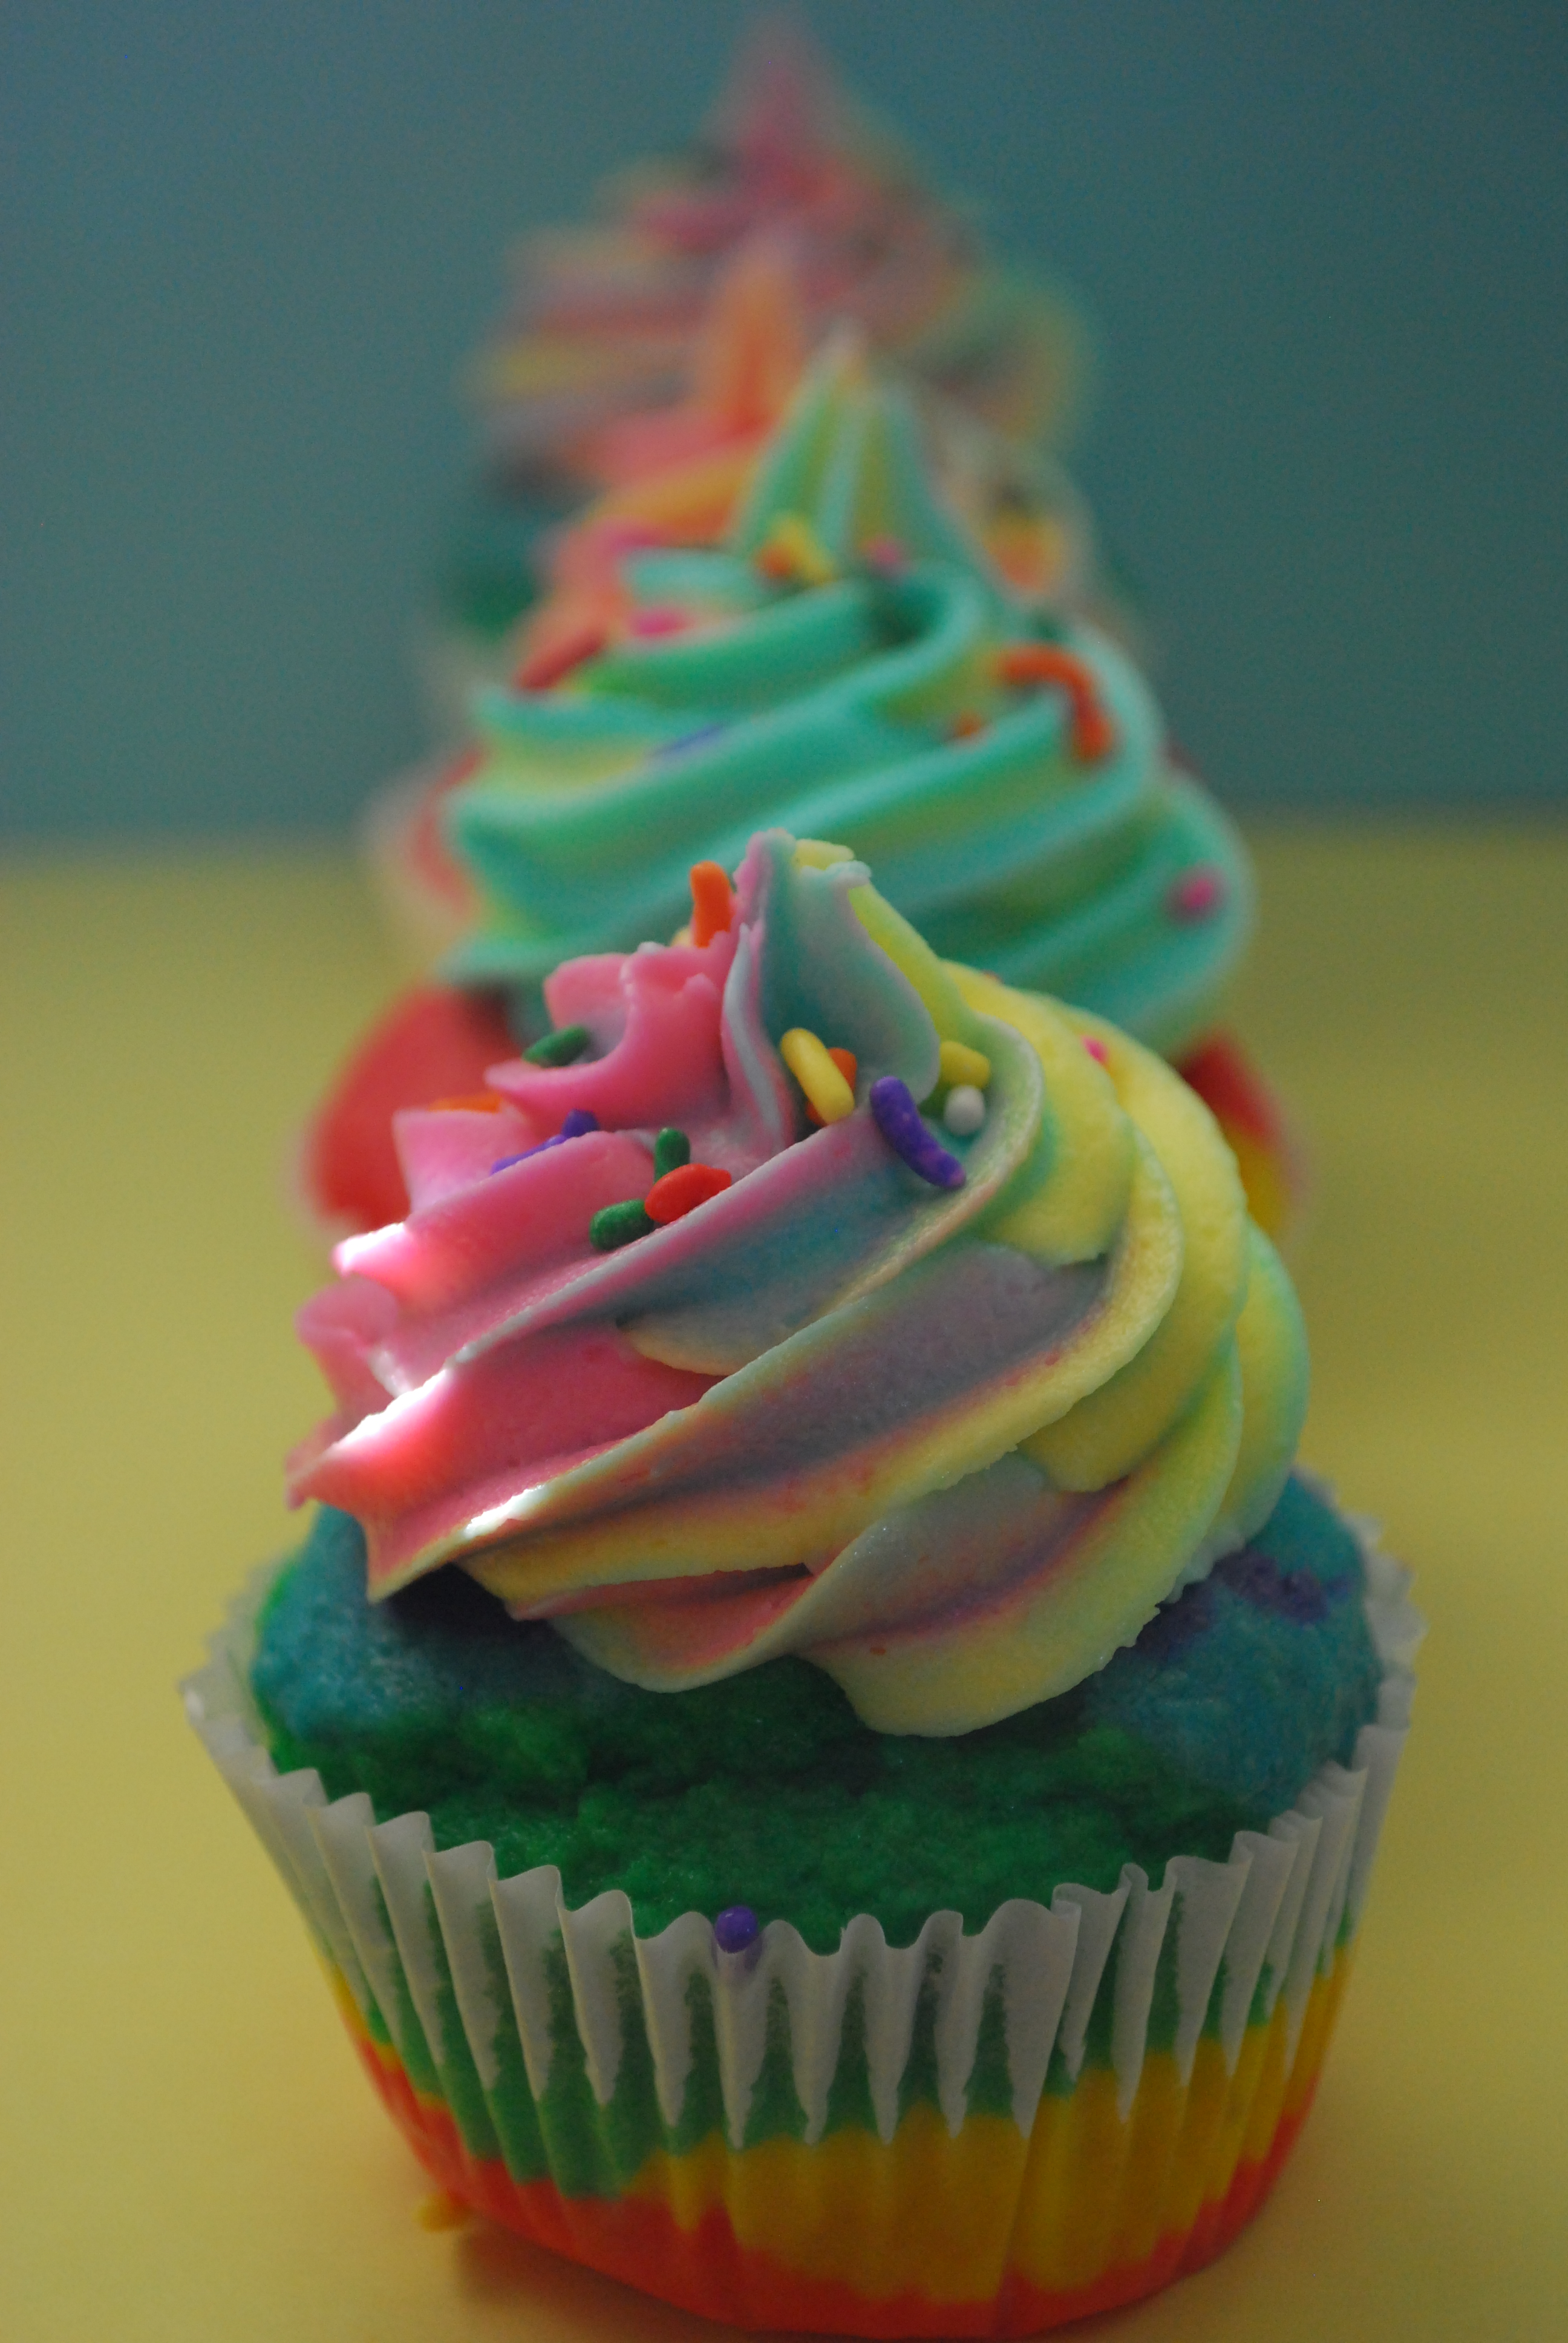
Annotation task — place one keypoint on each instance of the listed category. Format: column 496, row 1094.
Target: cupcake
column 602, row 369
column 831, row 1759
column 852, row 661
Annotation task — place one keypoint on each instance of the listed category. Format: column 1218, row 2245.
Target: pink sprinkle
column 661, row 621
column 1196, row 893
column 629, row 535
column 1096, row 1050
column 884, row 554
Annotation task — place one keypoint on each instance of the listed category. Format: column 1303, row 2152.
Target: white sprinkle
column 964, row 1113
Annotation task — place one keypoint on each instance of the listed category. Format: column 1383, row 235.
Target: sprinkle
column 619, row 1224
column 1093, row 735
column 966, row 725
column 885, row 555
column 551, row 661
column 690, row 741
column 964, row 1109
column 848, row 1065
column 897, row 1118
column 792, row 552
column 471, row 1102
column 1196, row 893
column 820, row 1074
column 959, row 1063
column 671, row 1148
column 712, row 902
column 681, row 1191
column 1097, row 1050
column 559, row 1048
column 577, row 1125
column 737, row 1928
column 660, row 620
column 442, row 2211
column 816, row 854
column 629, row 535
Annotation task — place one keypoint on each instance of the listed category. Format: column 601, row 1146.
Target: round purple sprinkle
column 736, row 1928
column 897, row 1118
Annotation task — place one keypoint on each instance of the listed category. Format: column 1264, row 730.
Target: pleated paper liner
column 971, row 2135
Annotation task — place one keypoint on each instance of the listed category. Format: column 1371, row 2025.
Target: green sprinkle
column 620, row 1225
column 671, row 1148
column 559, row 1048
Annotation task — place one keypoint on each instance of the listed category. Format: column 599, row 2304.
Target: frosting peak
column 947, row 1403
column 850, row 660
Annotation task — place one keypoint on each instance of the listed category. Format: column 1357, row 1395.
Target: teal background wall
column 245, row 249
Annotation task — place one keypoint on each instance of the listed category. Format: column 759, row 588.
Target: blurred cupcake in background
column 849, row 658
column 669, row 333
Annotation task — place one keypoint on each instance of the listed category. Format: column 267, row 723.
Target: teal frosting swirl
column 867, row 709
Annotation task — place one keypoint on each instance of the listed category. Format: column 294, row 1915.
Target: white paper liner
column 398, row 1919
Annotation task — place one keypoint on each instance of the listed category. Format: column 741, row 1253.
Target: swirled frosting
column 952, row 1434
column 1007, row 776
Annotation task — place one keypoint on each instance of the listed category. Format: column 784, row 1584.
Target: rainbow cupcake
column 658, row 341
column 851, row 661
column 807, row 1542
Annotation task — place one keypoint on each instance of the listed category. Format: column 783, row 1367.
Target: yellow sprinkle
column 961, row 1064
column 793, row 546
column 441, row 2211
column 818, row 1076
column 816, row 854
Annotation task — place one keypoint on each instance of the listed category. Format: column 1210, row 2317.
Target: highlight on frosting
column 948, row 1411
column 852, row 662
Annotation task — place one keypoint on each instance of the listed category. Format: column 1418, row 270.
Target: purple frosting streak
column 1295, row 1594
column 897, row 1118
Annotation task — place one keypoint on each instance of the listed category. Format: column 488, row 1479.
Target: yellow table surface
column 190, row 2151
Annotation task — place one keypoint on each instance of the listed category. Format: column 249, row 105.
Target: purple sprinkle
column 690, row 741
column 897, row 1118
column 694, row 739
column 736, row 1928
column 578, row 1122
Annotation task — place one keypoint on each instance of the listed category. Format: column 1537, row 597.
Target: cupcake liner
column 969, row 2134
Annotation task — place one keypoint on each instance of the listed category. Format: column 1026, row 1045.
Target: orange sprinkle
column 1093, row 734
column 848, row 1065
column 712, row 903
column 681, row 1191
column 966, row 724
column 773, row 562
column 470, row 1102
column 551, row 661
column 442, row 2211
